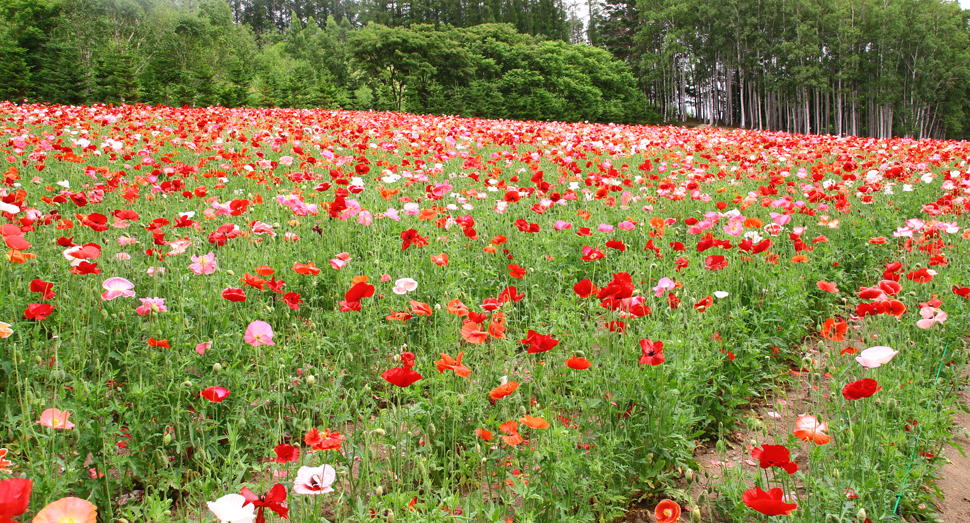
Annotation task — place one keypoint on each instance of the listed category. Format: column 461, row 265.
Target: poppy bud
column 241, row 422
column 695, row 516
column 104, row 314
column 114, row 316
column 379, row 491
column 379, row 432
column 689, row 474
column 230, row 272
column 121, row 315
column 432, row 429
column 121, row 520
column 389, row 516
column 187, row 384
column 166, row 439
column 580, row 354
column 522, row 411
column 861, row 516
column 310, row 380
column 216, row 367
column 38, row 360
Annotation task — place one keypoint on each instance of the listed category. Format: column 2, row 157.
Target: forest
column 841, row 67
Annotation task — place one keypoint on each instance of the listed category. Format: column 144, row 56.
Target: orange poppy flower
column 68, row 509
column 448, row 363
column 358, row 279
column 799, row 258
column 503, row 390
column 489, row 249
column 484, row 434
column 458, row 308
column 473, row 333
column 306, row 269
column 834, row 331
column 496, row 329
column 499, row 240
column 667, row 511
column 19, row 256
column 827, row 286
column 440, row 260
column 511, row 428
column 535, row 423
column 420, row 308
column 584, row 214
column 264, row 270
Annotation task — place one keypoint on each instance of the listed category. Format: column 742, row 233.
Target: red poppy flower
column 584, row 231
column 306, row 269
column 616, row 244
column 215, row 394
column 673, row 300
column 860, row 389
column 677, row 246
column 286, row 453
column 510, row 294
column 292, row 300
column 14, row 497
column 715, row 263
column 38, row 311
column 85, row 267
column 616, row 326
column 402, row 376
column 46, row 289
column 963, row 292
column 621, row 287
column 325, row 440
column 578, row 363
column 591, row 254
column 538, row 342
column 233, row 294
column 923, row 275
column 411, row 237
column 681, row 263
column 490, row 304
column 704, row 304
column 774, row 456
column 653, row 352
column 585, row 288
column 499, row 240
column 516, row 272
column 892, row 307
column 273, row 500
column 834, row 331
column 769, row 503
column 870, row 293
column 152, row 342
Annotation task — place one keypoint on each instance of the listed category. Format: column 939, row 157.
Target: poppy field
column 260, row 314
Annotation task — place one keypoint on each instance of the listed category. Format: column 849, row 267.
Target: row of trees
column 152, row 51
column 858, row 67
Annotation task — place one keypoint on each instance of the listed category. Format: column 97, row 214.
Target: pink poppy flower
column 202, row 347
column 205, row 264
column 314, row 480
column 561, row 225
column 117, row 288
column 151, row 305
column 56, row 419
column 259, row 333
column 873, row 357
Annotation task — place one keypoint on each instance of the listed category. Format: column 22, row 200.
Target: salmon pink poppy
column 14, row 497
column 774, row 456
column 931, row 316
column 5, row 465
column 70, row 509
column 860, row 389
column 216, row 394
column 808, row 428
column 769, row 503
column 667, row 511
column 56, row 419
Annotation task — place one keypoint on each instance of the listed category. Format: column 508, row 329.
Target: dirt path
column 955, row 505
